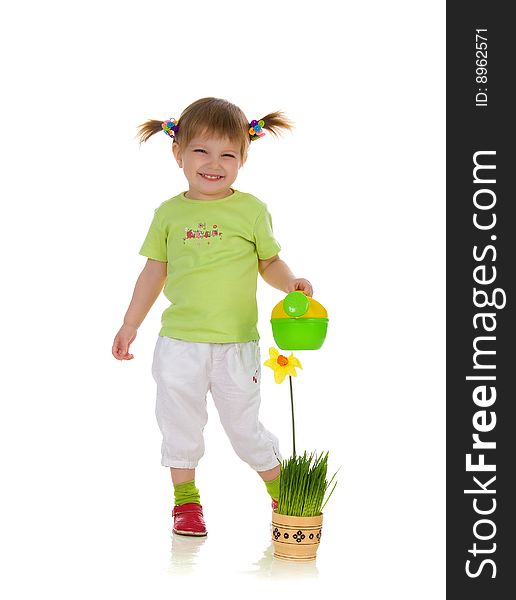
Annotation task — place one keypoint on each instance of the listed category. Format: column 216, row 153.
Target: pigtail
column 275, row 122
column 149, row 128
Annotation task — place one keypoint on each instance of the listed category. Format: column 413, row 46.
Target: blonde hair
column 219, row 118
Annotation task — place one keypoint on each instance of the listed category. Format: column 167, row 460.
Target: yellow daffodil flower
column 282, row 365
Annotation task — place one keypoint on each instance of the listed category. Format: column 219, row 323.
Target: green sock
column 273, row 487
column 186, row 492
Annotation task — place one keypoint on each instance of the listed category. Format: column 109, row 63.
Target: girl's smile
column 211, row 177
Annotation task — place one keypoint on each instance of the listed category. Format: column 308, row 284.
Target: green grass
column 303, row 485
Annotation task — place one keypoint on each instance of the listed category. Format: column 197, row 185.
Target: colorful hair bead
column 255, row 131
column 170, row 127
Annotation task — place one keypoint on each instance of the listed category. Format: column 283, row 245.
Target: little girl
column 206, row 246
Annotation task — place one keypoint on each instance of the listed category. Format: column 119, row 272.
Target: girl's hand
column 302, row 285
column 123, row 339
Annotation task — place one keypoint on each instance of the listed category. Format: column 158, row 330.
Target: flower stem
column 292, row 408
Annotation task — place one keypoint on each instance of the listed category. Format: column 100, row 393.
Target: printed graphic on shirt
column 200, row 233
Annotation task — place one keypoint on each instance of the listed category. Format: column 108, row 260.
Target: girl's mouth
column 211, row 177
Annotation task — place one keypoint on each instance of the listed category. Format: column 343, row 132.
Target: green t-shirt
column 211, row 248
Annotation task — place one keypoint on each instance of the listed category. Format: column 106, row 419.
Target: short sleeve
column 155, row 244
column 266, row 244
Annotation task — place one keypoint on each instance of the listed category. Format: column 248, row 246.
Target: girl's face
column 211, row 166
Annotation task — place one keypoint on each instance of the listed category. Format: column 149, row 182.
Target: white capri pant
column 184, row 372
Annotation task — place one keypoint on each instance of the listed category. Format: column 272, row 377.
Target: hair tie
column 255, row 130
column 170, row 127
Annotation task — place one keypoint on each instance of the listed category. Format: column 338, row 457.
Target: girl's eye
column 202, row 150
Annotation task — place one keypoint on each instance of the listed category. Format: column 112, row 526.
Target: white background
column 356, row 192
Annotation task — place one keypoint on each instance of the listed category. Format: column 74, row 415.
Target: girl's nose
column 213, row 162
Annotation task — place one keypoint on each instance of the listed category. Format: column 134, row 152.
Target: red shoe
column 189, row 520
column 274, row 504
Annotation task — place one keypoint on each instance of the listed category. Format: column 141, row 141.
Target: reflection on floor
column 276, row 568
column 184, row 553
column 184, row 558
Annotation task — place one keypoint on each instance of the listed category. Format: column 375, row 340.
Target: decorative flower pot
column 296, row 538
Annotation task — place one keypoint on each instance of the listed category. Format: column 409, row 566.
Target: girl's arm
column 148, row 287
column 276, row 273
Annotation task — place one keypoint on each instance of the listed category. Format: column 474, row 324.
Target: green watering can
column 299, row 323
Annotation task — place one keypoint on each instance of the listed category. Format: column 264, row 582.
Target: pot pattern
column 298, row 536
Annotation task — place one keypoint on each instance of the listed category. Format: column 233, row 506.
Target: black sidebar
column 481, row 295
